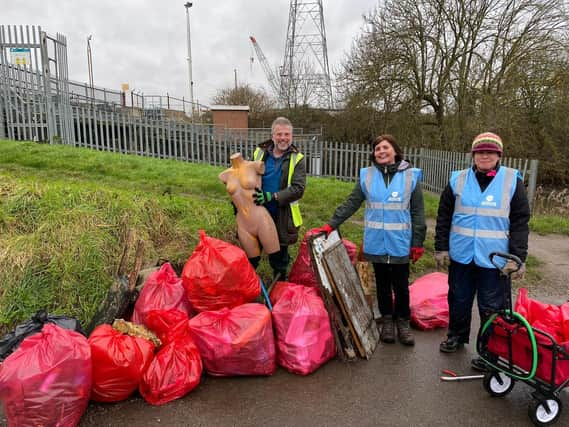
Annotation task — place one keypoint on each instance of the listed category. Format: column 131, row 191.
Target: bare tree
column 450, row 60
column 257, row 100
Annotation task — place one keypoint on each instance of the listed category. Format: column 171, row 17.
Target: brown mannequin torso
column 255, row 227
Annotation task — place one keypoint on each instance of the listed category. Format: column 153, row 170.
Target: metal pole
column 90, row 65
column 187, row 5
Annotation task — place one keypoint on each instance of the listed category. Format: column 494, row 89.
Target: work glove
column 512, row 267
column 326, row 228
column 261, row 197
column 416, row 254
column 442, row 259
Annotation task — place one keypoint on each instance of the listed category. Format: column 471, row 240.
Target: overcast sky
column 144, row 43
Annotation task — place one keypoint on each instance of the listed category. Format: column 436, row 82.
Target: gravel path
column 552, row 250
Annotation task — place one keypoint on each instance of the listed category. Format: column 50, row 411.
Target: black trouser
column 465, row 282
column 392, row 279
column 278, row 261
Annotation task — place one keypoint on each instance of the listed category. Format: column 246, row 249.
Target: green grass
column 64, row 214
column 549, row 224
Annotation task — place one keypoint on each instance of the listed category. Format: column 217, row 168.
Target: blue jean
column 466, row 281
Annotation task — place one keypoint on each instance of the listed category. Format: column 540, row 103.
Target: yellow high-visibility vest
column 294, row 159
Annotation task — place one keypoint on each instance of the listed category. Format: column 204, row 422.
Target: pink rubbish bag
column 428, row 300
column 301, row 271
column 219, row 274
column 163, row 290
column 237, row 341
column 47, row 380
column 304, row 336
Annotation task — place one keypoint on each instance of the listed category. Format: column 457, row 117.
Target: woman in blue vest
column 483, row 209
column 394, row 230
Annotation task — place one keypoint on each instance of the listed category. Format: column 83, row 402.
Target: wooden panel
column 343, row 336
column 342, row 278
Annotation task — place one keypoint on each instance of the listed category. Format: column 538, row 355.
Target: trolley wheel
column 498, row 384
column 545, row 412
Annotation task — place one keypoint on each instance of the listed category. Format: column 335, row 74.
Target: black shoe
column 388, row 330
column 404, row 332
column 450, row 345
column 479, row 365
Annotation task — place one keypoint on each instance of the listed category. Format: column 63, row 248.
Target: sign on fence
column 20, row 56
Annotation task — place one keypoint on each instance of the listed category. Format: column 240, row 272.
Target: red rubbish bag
column 168, row 324
column 236, row 341
column 219, row 274
column 428, row 300
column 302, row 327
column 163, row 290
column 565, row 321
column 119, row 360
column 279, row 289
column 47, row 380
column 546, row 317
column 177, row 368
column 174, row 372
column 301, row 271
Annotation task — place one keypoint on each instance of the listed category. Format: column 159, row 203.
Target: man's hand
column 416, row 254
column 326, row 228
column 261, row 197
column 512, row 267
column 442, row 259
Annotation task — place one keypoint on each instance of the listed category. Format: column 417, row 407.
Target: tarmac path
column 399, row 386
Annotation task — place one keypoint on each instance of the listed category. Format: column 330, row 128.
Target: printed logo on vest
column 489, row 201
column 394, row 197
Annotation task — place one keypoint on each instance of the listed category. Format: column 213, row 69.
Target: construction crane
column 271, row 77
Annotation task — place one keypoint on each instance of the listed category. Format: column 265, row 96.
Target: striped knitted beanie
column 487, row 141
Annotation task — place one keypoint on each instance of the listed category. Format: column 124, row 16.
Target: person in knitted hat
column 488, row 141
column 483, row 209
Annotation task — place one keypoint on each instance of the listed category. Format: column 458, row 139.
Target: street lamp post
column 90, row 65
column 187, row 6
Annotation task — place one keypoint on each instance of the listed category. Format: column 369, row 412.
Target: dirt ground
column 552, row 251
column 399, row 386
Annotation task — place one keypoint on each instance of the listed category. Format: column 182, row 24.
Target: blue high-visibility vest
column 387, row 228
column 481, row 219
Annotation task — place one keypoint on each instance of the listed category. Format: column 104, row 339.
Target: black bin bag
column 10, row 342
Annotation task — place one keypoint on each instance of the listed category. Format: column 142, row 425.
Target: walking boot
column 451, row 345
column 388, row 330
column 404, row 332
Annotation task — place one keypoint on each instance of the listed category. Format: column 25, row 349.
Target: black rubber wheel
column 545, row 412
column 498, row 384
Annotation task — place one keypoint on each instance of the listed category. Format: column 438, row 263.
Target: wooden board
column 343, row 336
column 343, row 279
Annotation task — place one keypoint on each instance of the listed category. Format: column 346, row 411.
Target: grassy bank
column 64, row 214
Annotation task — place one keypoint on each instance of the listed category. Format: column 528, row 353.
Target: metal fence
column 39, row 103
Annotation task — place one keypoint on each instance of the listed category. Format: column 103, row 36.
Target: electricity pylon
column 305, row 74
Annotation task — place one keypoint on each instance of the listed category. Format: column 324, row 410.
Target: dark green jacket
column 417, row 211
column 288, row 233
